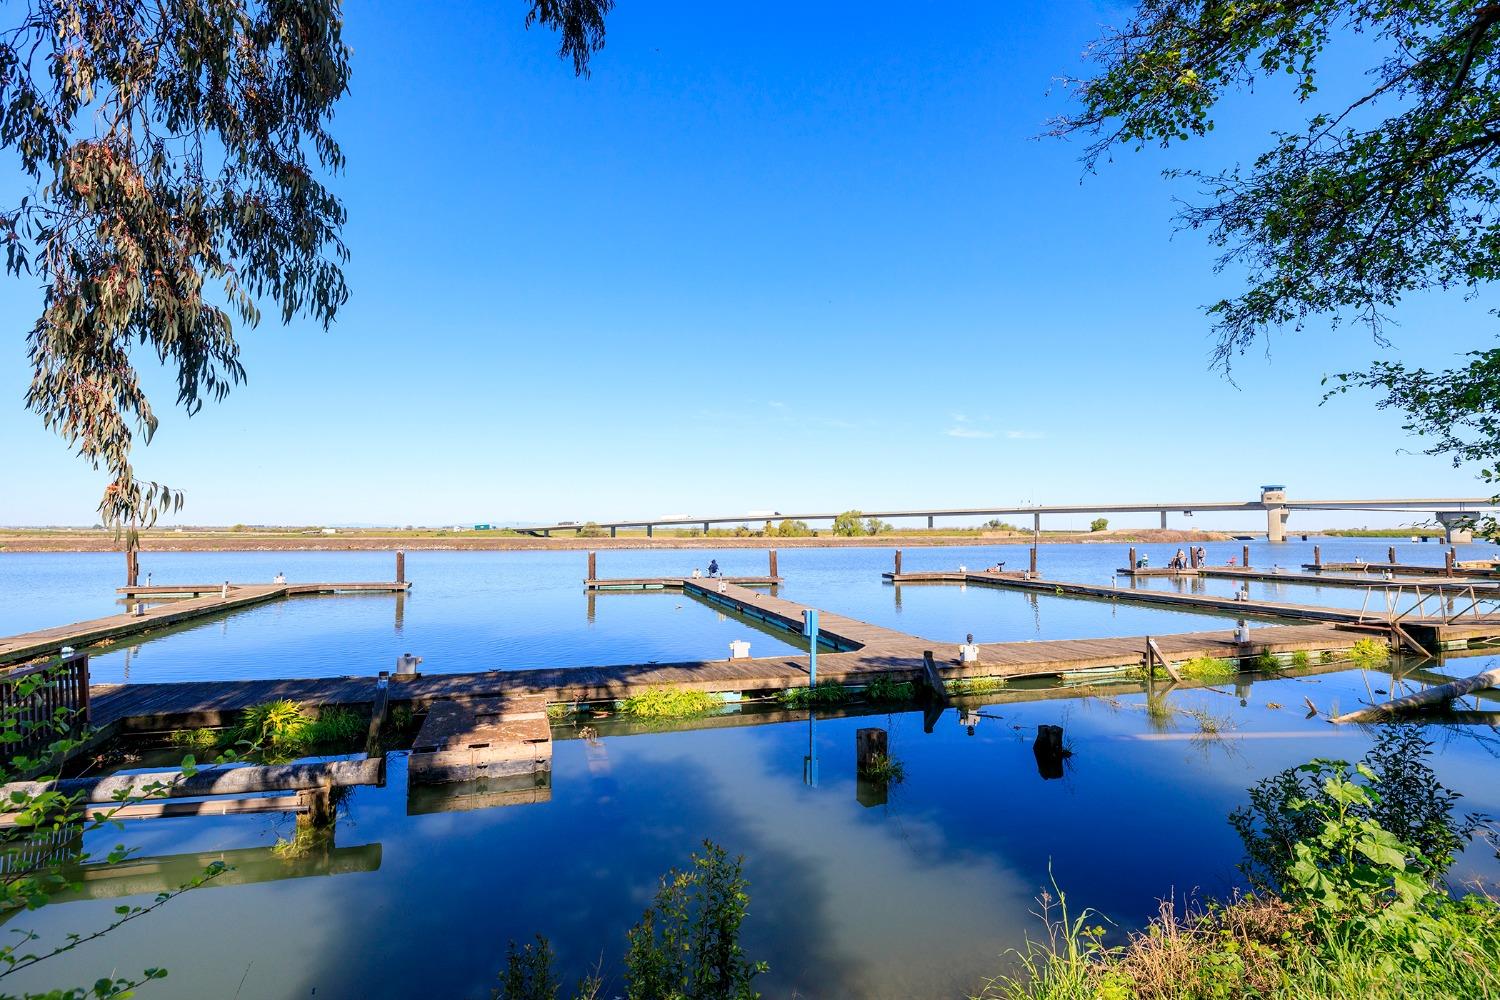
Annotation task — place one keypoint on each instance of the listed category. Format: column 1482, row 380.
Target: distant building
column 330, row 531
column 484, row 527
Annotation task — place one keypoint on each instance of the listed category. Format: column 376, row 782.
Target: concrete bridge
column 1457, row 515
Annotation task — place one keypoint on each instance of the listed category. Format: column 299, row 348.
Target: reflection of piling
column 869, row 746
column 1049, row 752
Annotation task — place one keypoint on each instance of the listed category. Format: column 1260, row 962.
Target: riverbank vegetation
column 1346, row 864
column 669, row 703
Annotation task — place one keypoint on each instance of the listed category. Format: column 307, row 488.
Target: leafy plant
column 825, row 693
column 1099, row 524
column 1369, row 652
column 885, row 768
column 335, row 726
column 198, row 741
column 279, row 726
column 1300, row 658
column 887, row 689
column 669, row 703
column 1401, row 795
column 1207, row 668
column 975, row 685
column 686, row 945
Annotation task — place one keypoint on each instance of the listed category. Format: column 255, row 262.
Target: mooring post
column 774, row 574
column 1449, row 558
column 1317, row 555
column 1245, row 557
column 400, row 566
column 132, row 568
column 898, row 563
column 1033, row 559
column 869, row 745
column 810, row 629
column 593, row 566
column 1390, row 555
column 1132, row 560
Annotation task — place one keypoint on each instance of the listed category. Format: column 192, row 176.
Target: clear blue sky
column 776, row 255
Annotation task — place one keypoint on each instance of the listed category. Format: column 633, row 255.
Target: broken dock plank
column 468, row 738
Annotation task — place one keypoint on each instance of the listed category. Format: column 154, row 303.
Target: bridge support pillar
column 648, row 530
column 1458, row 527
column 1163, row 520
column 547, row 533
column 1276, row 524
column 614, row 532
column 705, row 529
column 929, row 522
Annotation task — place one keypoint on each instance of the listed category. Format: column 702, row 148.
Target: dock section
column 194, row 602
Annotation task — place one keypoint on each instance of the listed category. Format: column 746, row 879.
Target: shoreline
column 252, row 542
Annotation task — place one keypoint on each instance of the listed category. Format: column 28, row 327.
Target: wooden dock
column 195, row 602
column 1443, row 631
column 1361, row 582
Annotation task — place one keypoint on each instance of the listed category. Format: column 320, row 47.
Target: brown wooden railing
column 54, row 705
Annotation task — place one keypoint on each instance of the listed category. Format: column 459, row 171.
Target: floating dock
column 192, row 602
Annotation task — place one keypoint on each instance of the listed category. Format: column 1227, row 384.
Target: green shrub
column 1267, row 661
column 826, row 693
column 1099, row 524
column 1369, row 652
column 1205, row 668
column 277, row 726
column 886, row 689
column 976, row 685
column 1327, row 656
column 669, row 703
column 1301, row 658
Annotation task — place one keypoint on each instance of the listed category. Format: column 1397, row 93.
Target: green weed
column 1207, row 668
column 884, row 689
column 669, row 703
column 826, row 693
column 975, row 685
column 1301, row 658
column 1369, row 652
column 885, row 768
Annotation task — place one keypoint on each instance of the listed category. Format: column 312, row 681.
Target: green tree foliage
column 875, row 526
column 1373, row 197
column 849, row 523
column 790, row 528
column 1099, row 524
column 176, row 156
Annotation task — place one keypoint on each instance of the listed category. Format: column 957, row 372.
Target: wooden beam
column 221, row 780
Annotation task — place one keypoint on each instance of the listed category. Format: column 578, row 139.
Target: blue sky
column 770, row 256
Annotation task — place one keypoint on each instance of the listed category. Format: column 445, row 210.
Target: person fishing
column 713, row 567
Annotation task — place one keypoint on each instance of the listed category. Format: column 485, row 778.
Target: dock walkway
column 208, row 600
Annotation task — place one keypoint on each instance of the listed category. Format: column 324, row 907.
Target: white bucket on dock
column 739, row 649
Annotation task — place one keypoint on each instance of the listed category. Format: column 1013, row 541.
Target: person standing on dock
column 280, row 578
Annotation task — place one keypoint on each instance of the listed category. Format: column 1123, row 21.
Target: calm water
column 919, row 896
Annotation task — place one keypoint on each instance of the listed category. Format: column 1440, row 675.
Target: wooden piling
column 1317, row 555
column 898, row 563
column 1132, row 557
column 1033, row 559
column 1449, row 558
column 869, row 745
column 594, row 566
column 1390, row 555
column 772, row 567
column 1245, row 557
column 400, row 566
column 132, row 568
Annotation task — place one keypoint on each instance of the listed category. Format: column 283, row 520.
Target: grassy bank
column 1347, row 864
